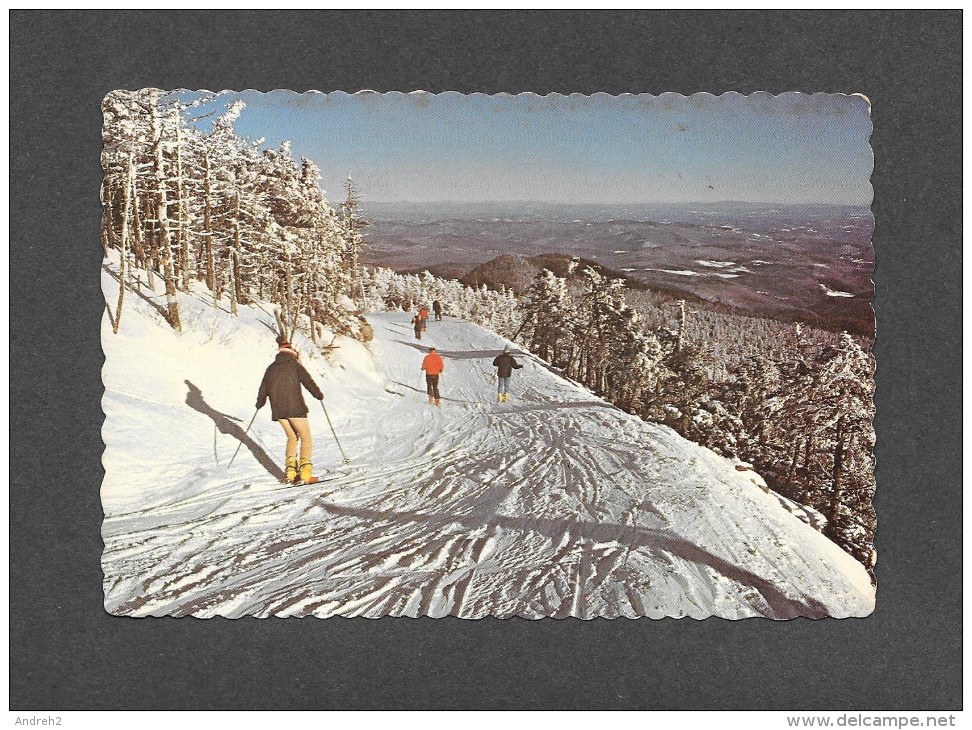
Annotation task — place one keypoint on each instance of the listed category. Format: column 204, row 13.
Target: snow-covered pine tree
column 546, row 314
column 212, row 195
column 635, row 362
column 388, row 290
column 600, row 316
column 127, row 124
column 353, row 238
column 209, row 205
column 839, row 410
column 805, row 423
column 325, row 278
column 754, row 395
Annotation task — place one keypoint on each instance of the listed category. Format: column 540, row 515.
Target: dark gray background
column 67, row 653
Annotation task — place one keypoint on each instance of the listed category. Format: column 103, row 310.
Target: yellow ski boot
column 291, row 469
column 306, row 473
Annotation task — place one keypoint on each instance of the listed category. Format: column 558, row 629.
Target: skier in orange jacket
column 433, row 367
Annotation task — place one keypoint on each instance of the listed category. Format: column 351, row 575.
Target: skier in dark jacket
column 281, row 384
column 437, row 310
column 504, row 365
column 417, row 325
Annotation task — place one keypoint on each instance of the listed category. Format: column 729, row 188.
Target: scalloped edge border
column 598, row 95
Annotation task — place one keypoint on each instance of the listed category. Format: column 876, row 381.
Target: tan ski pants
column 298, row 428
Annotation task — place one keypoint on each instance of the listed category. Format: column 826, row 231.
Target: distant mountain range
column 810, row 263
column 712, row 213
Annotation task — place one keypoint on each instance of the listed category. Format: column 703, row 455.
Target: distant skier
column 433, row 367
column 504, row 365
column 417, row 324
column 281, row 384
column 424, row 316
column 437, row 310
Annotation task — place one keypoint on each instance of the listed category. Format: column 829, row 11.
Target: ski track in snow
column 554, row 504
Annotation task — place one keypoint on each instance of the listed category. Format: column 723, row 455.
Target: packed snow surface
column 554, row 504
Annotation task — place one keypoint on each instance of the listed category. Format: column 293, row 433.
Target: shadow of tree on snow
column 778, row 602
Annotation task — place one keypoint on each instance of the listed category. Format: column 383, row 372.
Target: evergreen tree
column 212, row 206
column 353, row 238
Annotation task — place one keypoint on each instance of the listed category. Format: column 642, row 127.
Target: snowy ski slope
column 554, row 504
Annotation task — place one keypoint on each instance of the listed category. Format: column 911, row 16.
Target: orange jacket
column 432, row 364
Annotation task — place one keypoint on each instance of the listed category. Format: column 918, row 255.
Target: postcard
column 414, row 354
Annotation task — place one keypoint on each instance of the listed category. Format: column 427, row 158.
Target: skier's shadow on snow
column 463, row 354
column 487, row 354
column 553, row 406
column 423, row 392
column 410, row 387
column 226, row 424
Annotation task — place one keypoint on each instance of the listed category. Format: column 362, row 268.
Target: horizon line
column 365, row 200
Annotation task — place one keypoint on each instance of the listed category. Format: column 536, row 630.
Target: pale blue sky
column 792, row 148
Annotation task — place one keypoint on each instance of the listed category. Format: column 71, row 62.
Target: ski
column 320, row 480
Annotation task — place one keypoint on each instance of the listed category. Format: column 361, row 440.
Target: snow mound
column 554, row 504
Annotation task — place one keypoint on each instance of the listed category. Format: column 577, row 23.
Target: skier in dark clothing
column 417, row 324
column 437, row 310
column 504, row 365
column 281, row 384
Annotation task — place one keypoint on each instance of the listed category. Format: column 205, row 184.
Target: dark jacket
column 281, row 383
column 436, row 307
column 506, row 363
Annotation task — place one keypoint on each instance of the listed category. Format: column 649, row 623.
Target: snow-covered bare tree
column 353, row 238
column 211, row 206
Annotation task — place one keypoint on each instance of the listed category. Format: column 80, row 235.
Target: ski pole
column 244, row 436
column 343, row 455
